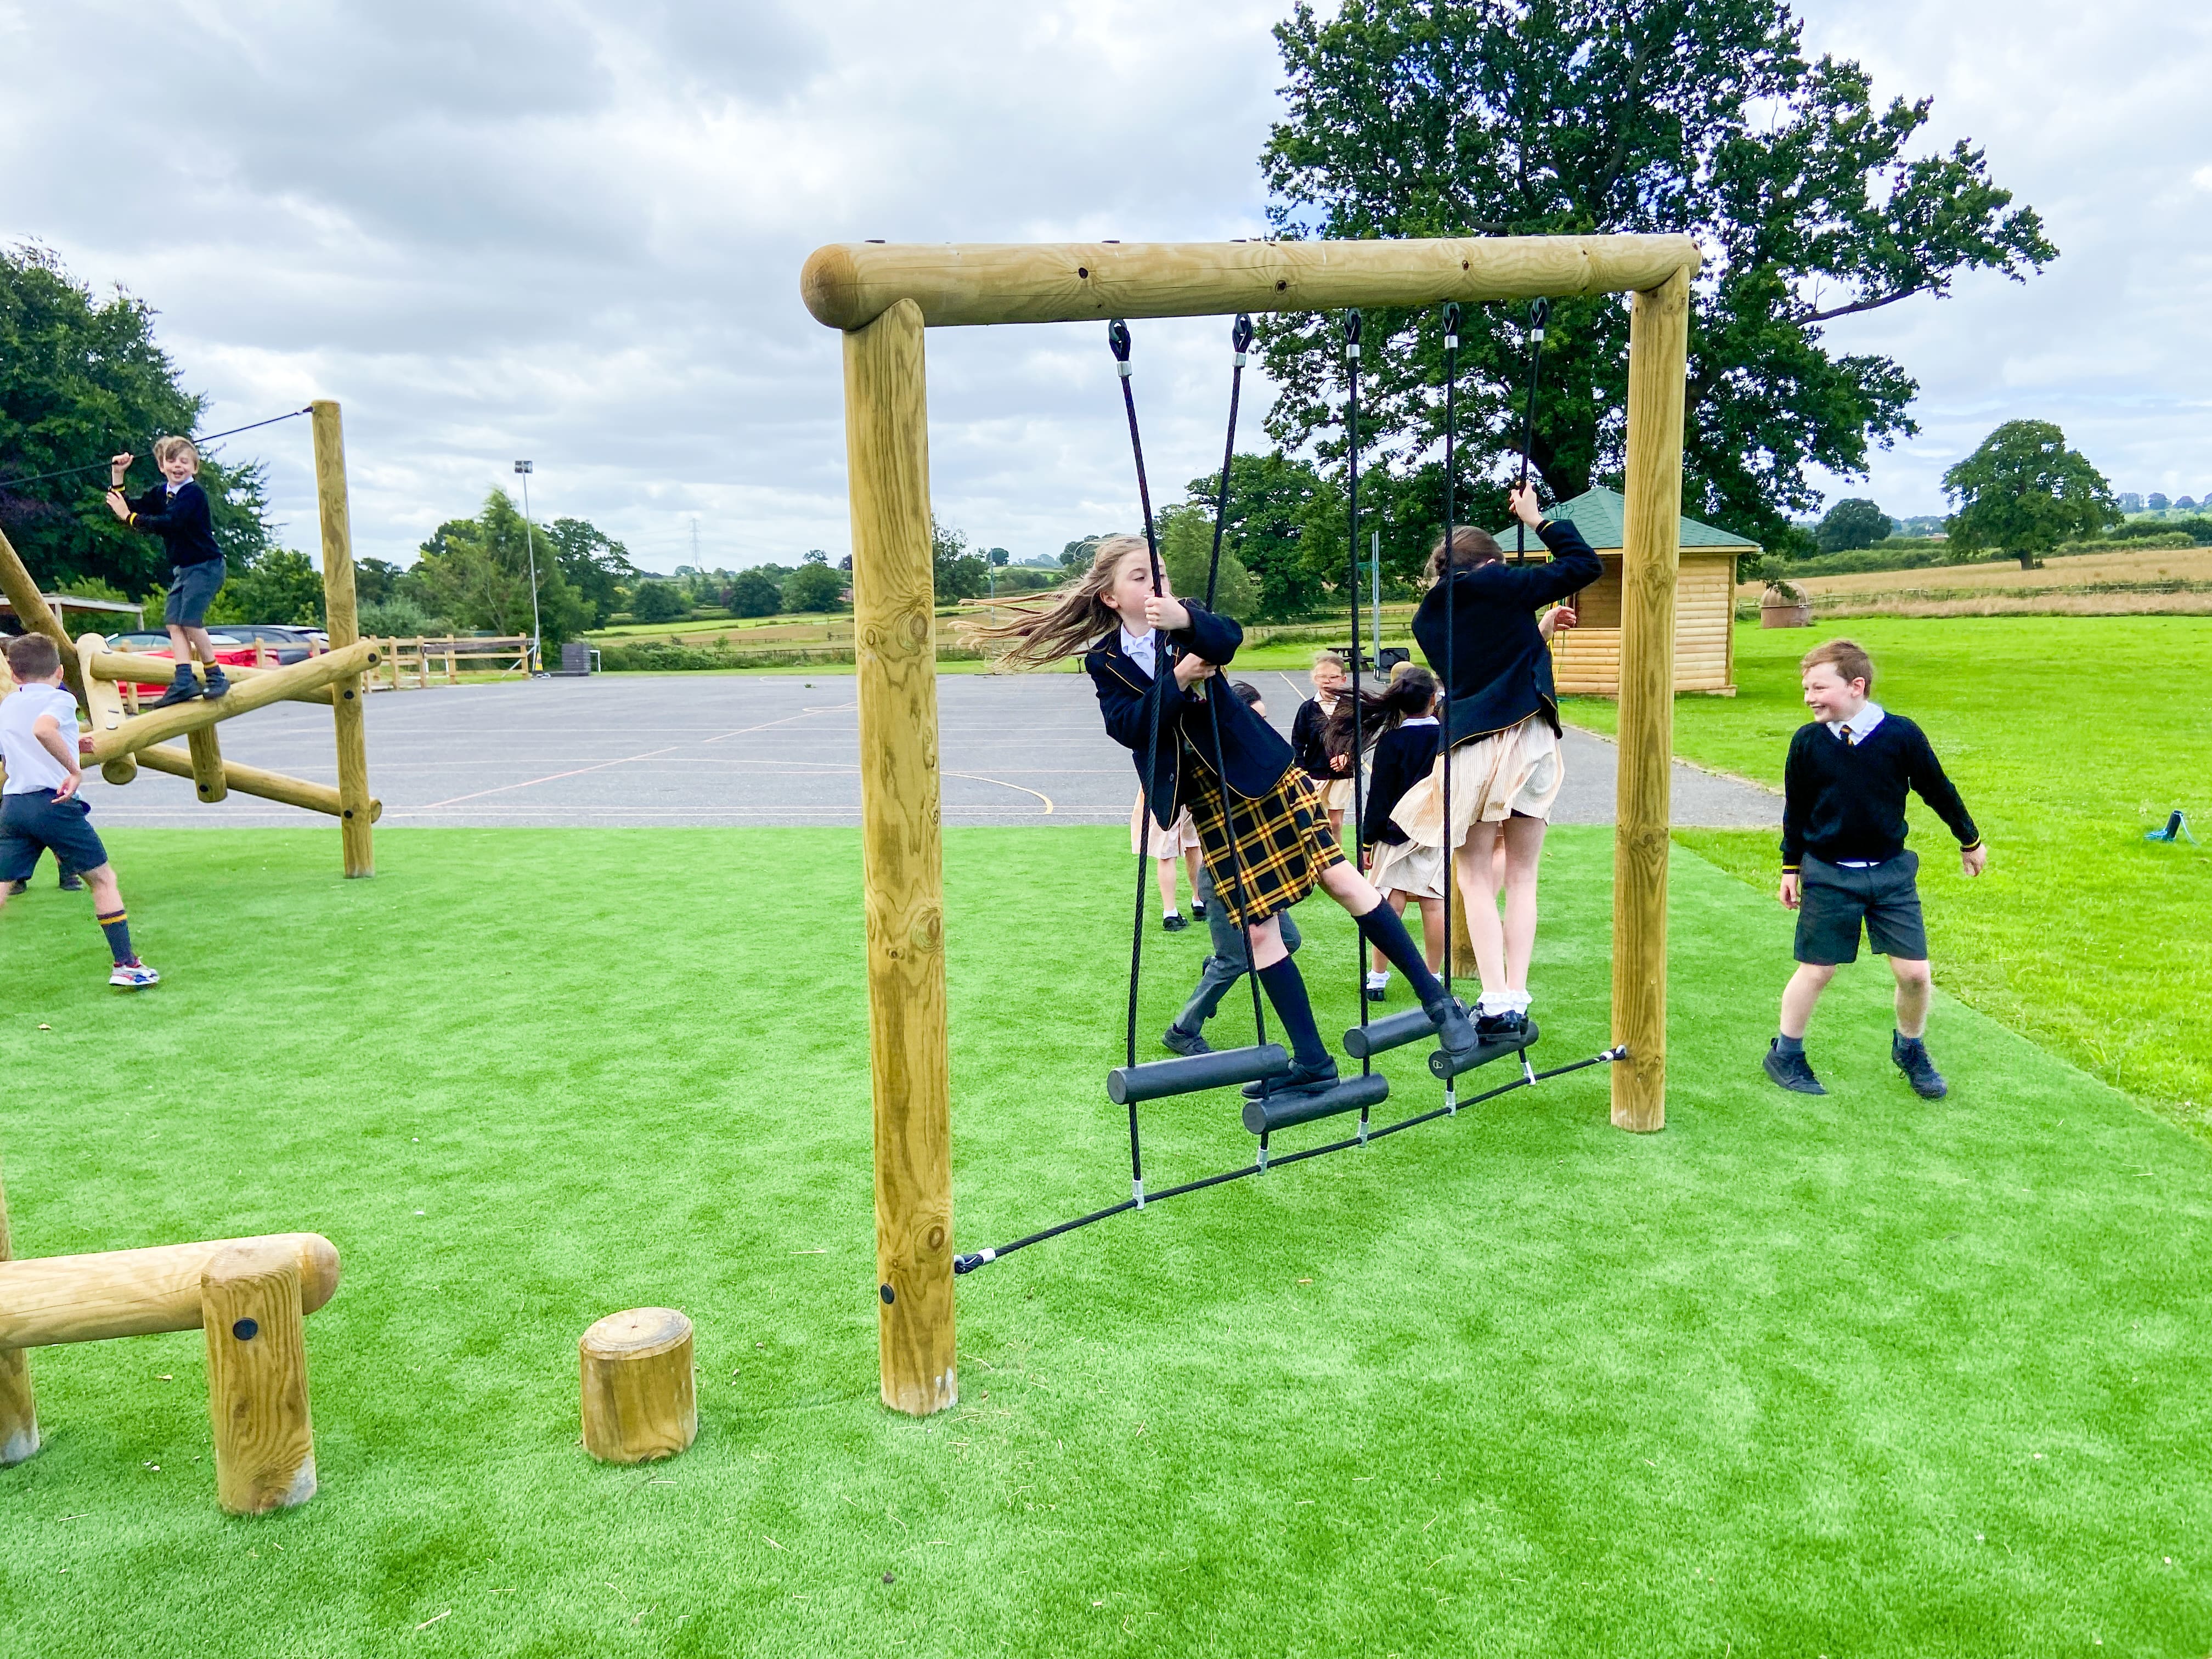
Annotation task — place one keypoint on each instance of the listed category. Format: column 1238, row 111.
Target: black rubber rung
column 1158, row 1079
column 1447, row 1065
column 1283, row 1111
column 1393, row 1031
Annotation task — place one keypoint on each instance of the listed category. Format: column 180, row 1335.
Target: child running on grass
column 38, row 804
column 1284, row 848
column 176, row 510
column 1844, row 858
column 1229, row 962
column 1404, row 725
column 1503, row 721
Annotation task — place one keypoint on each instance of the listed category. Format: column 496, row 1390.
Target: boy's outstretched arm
column 1934, row 787
column 1793, row 789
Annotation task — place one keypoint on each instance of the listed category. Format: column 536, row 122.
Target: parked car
column 230, row 650
column 286, row 644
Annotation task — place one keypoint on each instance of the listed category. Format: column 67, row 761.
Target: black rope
column 1538, row 310
column 1351, row 325
column 196, row 439
column 967, row 1264
column 1117, row 341
column 1452, row 316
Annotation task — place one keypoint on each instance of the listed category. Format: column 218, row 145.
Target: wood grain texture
column 343, row 622
column 204, row 755
column 19, row 1412
column 253, row 780
column 136, row 667
column 849, row 285
column 33, row 612
column 903, row 883
column 256, row 1358
column 52, row 1299
column 1657, row 352
column 639, row 1392
column 160, row 725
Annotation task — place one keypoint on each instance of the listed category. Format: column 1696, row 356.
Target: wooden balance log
column 641, row 1399
column 251, row 1296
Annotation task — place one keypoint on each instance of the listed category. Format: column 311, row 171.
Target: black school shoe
column 72, row 883
column 1298, row 1080
column 1197, row 912
column 1173, row 924
column 218, row 684
column 1909, row 1056
column 1793, row 1071
column 1189, row 1044
column 182, row 690
column 1501, row 1028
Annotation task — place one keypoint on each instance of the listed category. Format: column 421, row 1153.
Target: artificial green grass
column 1854, row 1376
column 2069, row 737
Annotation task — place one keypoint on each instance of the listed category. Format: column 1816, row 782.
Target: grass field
column 1856, row 1376
column 2069, row 738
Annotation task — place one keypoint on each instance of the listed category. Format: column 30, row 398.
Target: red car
column 229, row 652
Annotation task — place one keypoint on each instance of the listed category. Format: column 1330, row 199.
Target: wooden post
column 206, row 749
column 341, row 621
column 33, row 612
column 640, row 1398
column 19, row 1413
column 256, row 1352
column 51, row 1299
column 245, row 780
column 901, row 857
column 277, row 685
column 1658, row 345
column 1463, row 964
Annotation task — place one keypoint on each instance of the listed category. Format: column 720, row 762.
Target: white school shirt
column 1419, row 720
column 1860, row 727
column 1139, row 649
column 30, row 765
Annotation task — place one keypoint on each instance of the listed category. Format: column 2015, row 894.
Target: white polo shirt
column 30, row 765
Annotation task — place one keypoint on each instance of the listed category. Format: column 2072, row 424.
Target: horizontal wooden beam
column 54, row 1299
column 138, row 668
column 254, row 780
column 849, row 285
column 160, row 725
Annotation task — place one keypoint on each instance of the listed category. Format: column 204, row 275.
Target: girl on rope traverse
column 1403, row 723
column 1284, row 848
column 1502, row 728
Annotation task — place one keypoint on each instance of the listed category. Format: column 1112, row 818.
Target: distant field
column 2154, row 580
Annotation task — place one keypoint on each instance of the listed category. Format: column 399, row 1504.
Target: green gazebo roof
column 1600, row 513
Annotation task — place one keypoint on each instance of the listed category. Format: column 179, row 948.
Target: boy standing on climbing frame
column 1844, row 862
column 39, row 809
column 177, row 511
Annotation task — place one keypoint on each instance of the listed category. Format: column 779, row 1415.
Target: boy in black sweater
column 1843, row 860
column 176, row 510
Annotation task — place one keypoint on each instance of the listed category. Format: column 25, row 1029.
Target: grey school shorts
column 33, row 820
column 1832, row 901
column 192, row 588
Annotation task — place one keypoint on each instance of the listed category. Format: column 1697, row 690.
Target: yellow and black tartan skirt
column 1283, row 843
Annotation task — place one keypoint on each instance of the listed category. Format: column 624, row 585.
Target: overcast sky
column 573, row 232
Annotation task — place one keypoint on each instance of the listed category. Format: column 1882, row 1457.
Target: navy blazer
column 1501, row 669
column 1254, row 753
column 1403, row 757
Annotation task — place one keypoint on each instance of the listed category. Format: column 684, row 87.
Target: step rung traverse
column 1158, row 1079
column 1285, row 1111
column 1391, row 1031
column 1447, row 1065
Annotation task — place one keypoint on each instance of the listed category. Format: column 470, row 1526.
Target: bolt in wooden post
column 206, row 749
column 640, row 1397
column 1658, row 344
column 256, row 1350
column 901, row 857
column 18, row 1413
column 342, row 620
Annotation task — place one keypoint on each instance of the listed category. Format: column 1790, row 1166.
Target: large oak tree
column 1453, row 118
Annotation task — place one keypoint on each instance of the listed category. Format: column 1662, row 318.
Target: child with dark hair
column 1251, row 798
column 39, row 810
column 1844, row 861
column 1403, row 724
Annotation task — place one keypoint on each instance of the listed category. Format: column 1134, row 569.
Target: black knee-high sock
column 117, row 926
column 1287, row 991
column 1387, row 934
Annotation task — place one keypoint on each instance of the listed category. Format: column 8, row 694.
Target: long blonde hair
column 1076, row 617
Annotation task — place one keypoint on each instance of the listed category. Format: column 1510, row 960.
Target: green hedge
column 659, row 656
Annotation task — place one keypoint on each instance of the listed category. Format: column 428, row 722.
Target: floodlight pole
column 530, row 541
